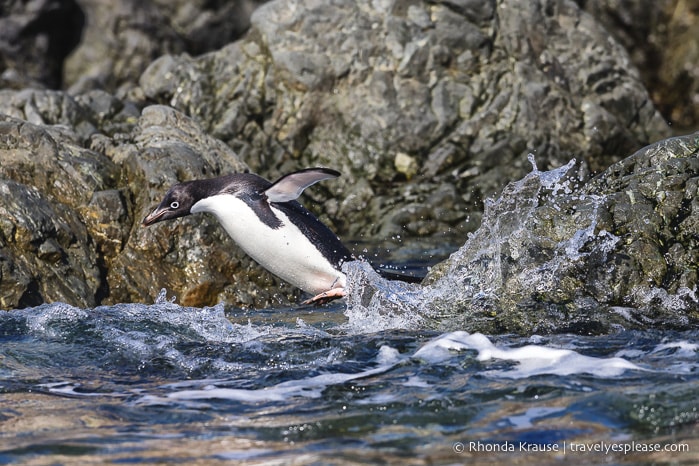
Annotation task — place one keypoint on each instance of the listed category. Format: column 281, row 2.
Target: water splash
column 163, row 299
column 543, row 260
column 148, row 337
column 375, row 303
column 472, row 283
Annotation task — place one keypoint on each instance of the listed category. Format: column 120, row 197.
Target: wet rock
column 47, row 178
column 464, row 90
column 45, row 251
column 554, row 255
column 107, row 219
column 49, row 159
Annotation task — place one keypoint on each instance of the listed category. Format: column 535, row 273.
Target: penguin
column 267, row 222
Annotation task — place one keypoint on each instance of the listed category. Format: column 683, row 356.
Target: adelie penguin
column 269, row 225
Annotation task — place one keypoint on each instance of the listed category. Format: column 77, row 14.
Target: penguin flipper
column 289, row 187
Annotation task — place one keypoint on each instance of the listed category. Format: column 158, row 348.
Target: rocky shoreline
column 427, row 108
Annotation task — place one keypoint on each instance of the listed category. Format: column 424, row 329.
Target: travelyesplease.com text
column 568, row 447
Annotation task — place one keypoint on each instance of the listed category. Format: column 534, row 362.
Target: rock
column 47, row 178
column 405, row 164
column 92, row 44
column 555, row 256
column 117, row 40
column 106, row 217
column 465, row 89
column 55, row 109
column 123, row 37
column 663, row 41
column 35, row 39
column 45, row 251
column 50, row 160
column 427, row 108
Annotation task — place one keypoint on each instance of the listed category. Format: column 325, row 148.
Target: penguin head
column 177, row 203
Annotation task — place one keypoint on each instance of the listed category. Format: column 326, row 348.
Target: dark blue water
column 387, row 376
column 161, row 383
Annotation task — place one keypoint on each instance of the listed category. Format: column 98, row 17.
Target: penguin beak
column 154, row 217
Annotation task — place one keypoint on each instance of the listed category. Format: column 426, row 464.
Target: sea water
column 370, row 379
column 161, row 383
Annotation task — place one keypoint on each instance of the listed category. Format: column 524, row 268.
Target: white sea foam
column 681, row 348
column 531, row 360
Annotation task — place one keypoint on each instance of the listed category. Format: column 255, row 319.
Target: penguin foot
column 326, row 297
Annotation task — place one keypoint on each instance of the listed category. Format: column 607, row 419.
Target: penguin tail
column 403, row 274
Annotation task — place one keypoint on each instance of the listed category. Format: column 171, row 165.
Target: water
column 161, row 383
column 387, row 376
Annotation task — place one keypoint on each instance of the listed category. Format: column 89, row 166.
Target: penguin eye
column 174, row 205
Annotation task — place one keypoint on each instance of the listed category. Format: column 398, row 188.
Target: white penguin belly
column 284, row 251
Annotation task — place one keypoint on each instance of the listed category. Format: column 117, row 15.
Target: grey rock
column 123, row 37
column 45, row 251
column 35, row 38
column 107, row 219
column 465, row 89
column 51, row 161
column 426, row 107
column 48, row 179
column 554, row 255
column 55, row 109
column 120, row 40
column 663, row 41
